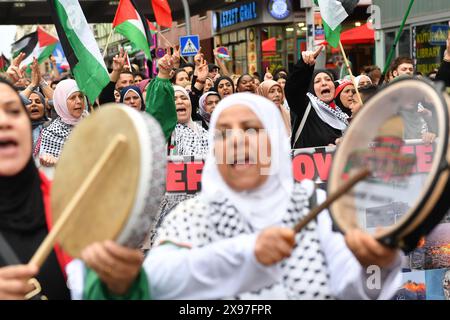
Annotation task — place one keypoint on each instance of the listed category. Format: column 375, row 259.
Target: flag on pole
column 133, row 26
column 39, row 44
column 80, row 47
column 163, row 14
column 4, row 63
column 153, row 28
column 333, row 13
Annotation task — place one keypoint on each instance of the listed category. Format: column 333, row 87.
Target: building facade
column 424, row 36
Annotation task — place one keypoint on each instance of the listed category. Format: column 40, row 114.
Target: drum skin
column 123, row 200
column 428, row 210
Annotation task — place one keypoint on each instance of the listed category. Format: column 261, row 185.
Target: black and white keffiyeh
column 190, row 140
column 304, row 274
column 54, row 136
column 336, row 118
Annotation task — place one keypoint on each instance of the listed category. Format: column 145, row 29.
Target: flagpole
column 350, row 72
column 397, row 39
column 170, row 44
column 107, row 43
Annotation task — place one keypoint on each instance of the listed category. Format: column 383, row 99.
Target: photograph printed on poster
column 413, row 287
column 432, row 252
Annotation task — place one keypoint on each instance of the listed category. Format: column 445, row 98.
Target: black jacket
column 444, row 73
column 315, row 132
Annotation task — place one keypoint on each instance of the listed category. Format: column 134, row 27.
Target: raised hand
column 35, row 73
column 309, row 57
column 14, row 71
column 165, row 66
column 202, row 70
column 268, row 75
column 447, row 52
column 176, row 57
column 119, row 61
column 198, row 57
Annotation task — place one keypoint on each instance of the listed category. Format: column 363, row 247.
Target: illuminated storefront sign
column 242, row 13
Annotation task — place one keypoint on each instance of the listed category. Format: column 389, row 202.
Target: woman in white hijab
column 235, row 239
column 189, row 138
column 70, row 105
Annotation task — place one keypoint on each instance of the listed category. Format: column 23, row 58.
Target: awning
column 269, row 45
column 358, row 35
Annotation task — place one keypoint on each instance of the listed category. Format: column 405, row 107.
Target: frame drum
column 407, row 193
column 122, row 197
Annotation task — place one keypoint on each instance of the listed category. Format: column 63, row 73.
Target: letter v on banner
column 189, row 45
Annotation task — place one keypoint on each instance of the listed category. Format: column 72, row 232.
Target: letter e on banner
column 424, row 155
column 175, row 181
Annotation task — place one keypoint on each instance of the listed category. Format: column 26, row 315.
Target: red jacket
column 63, row 258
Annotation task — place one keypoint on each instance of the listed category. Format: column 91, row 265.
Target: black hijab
column 136, row 89
column 315, row 73
column 21, row 200
column 216, row 84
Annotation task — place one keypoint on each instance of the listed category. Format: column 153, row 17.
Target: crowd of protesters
column 234, row 239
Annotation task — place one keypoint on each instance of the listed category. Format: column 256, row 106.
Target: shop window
column 225, row 39
column 233, row 37
column 273, row 44
column 404, row 45
column 389, row 41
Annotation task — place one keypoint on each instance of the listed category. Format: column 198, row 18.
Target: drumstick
column 118, row 142
column 361, row 175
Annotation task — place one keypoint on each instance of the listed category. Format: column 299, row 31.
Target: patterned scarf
column 190, row 139
column 335, row 118
column 304, row 274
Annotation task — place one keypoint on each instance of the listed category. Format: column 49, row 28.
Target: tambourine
column 407, row 191
column 109, row 181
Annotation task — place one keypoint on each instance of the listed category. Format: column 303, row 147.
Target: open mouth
column 226, row 93
column 35, row 111
column 325, row 91
column 181, row 110
column 8, row 145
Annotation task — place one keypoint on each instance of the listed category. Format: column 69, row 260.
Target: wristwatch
column 43, row 83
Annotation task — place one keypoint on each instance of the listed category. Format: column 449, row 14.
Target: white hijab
column 267, row 204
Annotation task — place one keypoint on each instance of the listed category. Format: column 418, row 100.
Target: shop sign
column 439, row 34
column 428, row 47
column 280, row 9
column 236, row 15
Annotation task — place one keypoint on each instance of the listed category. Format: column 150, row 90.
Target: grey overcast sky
column 7, row 37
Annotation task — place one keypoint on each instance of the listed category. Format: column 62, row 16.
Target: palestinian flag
column 39, row 44
column 333, row 13
column 133, row 26
column 153, row 27
column 80, row 47
column 4, row 63
column 163, row 13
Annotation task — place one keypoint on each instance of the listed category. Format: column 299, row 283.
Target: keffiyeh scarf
column 335, row 118
column 190, row 140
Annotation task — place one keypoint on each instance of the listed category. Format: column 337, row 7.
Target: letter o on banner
column 304, row 168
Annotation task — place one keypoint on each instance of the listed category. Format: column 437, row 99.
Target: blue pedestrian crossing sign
column 190, row 45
